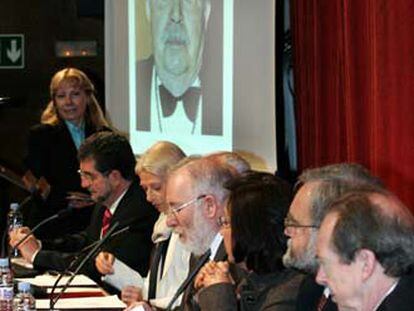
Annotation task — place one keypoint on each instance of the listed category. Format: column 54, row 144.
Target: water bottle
column 6, row 285
column 14, row 221
column 24, row 300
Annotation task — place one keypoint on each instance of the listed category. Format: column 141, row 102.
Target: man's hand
column 17, row 234
column 212, row 273
column 29, row 247
column 131, row 294
column 104, row 263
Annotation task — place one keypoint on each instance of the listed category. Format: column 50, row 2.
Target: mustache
column 175, row 34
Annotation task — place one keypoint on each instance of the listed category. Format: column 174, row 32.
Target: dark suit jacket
column 274, row 291
column 402, row 297
column 133, row 247
column 188, row 303
column 52, row 154
column 309, row 295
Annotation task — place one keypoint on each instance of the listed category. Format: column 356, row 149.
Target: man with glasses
column 107, row 171
column 196, row 197
column 318, row 188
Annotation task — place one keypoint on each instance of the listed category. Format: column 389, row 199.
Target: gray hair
column 159, row 158
column 208, row 177
column 385, row 228
column 232, row 159
column 333, row 181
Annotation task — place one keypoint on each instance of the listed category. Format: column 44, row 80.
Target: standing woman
column 72, row 115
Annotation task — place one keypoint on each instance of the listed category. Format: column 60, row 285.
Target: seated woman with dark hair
column 253, row 234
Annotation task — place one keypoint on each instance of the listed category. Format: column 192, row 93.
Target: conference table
column 82, row 294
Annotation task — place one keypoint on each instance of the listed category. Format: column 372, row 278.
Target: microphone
column 88, row 247
column 189, row 278
column 61, row 214
column 91, row 253
column 82, row 251
column 13, row 178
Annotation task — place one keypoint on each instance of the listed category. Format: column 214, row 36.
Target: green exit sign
column 11, row 51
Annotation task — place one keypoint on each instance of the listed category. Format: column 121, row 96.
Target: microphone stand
column 44, row 221
column 189, row 278
column 76, row 257
column 13, row 178
column 93, row 251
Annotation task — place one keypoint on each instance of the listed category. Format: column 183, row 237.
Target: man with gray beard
column 196, row 198
column 317, row 189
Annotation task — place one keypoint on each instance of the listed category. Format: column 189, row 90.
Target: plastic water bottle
column 6, row 285
column 24, row 300
column 14, row 221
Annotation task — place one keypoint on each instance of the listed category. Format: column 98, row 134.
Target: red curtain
column 354, row 85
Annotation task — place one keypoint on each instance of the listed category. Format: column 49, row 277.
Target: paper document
column 47, row 280
column 82, row 303
column 123, row 276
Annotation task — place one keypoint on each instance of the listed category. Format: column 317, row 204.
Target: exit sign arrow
column 14, row 54
column 12, row 51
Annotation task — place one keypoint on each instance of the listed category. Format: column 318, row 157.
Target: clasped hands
column 213, row 273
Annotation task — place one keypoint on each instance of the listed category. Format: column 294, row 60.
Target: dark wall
column 43, row 22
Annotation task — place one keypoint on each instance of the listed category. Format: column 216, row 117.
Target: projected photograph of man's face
column 179, row 78
column 178, row 32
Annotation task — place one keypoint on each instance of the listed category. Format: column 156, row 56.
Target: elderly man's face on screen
column 178, row 28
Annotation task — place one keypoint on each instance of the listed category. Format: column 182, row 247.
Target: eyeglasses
column 175, row 210
column 223, row 222
column 292, row 223
column 90, row 176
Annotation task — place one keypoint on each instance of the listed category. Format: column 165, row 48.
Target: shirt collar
column 73, row 127
column 390, row 290
column 214, row 246
column 158, row 82
column 114, row 205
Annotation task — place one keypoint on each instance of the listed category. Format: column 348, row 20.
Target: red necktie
column 106, row 219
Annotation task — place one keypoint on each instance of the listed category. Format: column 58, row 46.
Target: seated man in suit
column 196, row 196
column 107, row 172
column 318, row 188
column 366, row 251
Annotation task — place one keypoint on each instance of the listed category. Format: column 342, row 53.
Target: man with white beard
column 317, row 189
column 196, row 199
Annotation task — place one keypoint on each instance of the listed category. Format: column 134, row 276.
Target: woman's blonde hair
column 159, row 158
column 77, row 78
